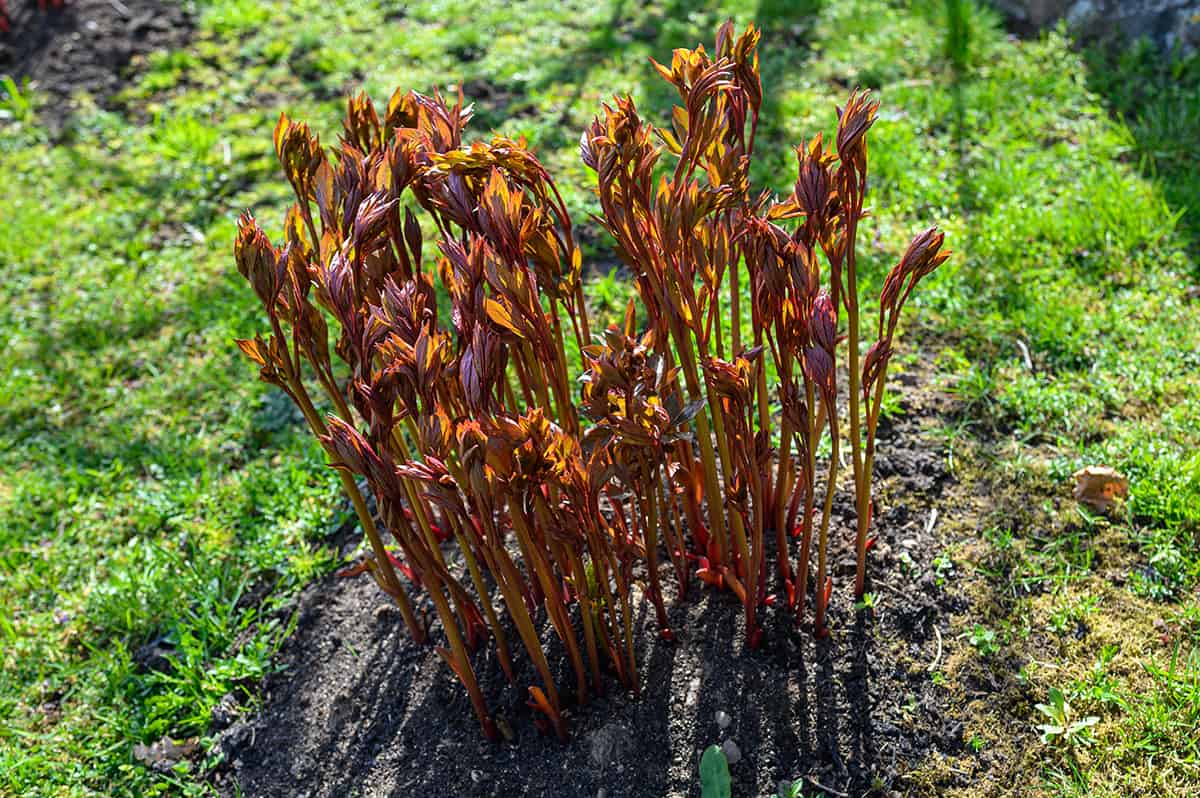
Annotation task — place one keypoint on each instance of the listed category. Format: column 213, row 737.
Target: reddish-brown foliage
column 466, row 426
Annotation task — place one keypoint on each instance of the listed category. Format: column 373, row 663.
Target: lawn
column 156, row 500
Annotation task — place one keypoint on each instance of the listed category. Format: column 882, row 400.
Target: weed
column 1064, row 730
column 984, row 640
column 14, row 104
column 793, row 789
column 1066, row 617
column 1100, row 687
column 943, row 568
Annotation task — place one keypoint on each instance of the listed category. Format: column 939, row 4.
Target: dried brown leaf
column 1100, row 487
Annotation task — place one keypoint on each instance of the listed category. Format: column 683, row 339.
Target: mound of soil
column 357, row 709
column 87, row 45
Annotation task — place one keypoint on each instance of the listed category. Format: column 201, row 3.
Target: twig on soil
column 938, row 658
column 931, row 521
column 823, row 788
column 895, row 591
column 121, row 8
column 1024, row 353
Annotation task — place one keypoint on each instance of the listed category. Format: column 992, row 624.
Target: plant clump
column 470, row 396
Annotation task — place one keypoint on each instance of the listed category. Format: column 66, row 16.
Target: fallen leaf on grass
column 1099, row 487
column 164, row 754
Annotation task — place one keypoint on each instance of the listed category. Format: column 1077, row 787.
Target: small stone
column 476, row 776
column 723, row 719
column 609, row 744
column 602, row 793
column 733, row 754
column 163, row 755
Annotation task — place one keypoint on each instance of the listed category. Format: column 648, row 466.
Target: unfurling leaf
column 714, row 774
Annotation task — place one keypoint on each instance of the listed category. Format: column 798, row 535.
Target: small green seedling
column 793, row 790
column 14, row 103
column 1099, row 685
column 1063, row 730
column 984, row 640
column 714, row 774
column 943, row 567
column 868, row 602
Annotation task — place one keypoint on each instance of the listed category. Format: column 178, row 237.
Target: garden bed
column 356, row 708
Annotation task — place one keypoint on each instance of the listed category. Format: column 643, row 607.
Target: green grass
column 149, row 482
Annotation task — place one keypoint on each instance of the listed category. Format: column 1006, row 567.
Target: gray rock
column 608, row 744
column 723, row 719
column 1168, row 23
column 733, row 754
column 387, row 613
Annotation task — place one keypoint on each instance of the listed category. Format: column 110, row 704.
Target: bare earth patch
column 87, row 45
column 358, row 709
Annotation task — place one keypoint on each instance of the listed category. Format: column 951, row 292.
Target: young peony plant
column 519, row 509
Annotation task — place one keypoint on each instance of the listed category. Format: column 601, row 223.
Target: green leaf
column 714, row 774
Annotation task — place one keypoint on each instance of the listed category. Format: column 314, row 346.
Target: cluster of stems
column 694, row 236
column 462, row 424
column 523, row 507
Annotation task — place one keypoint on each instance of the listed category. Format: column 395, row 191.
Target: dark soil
column 86, row 46
column 357, row 709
